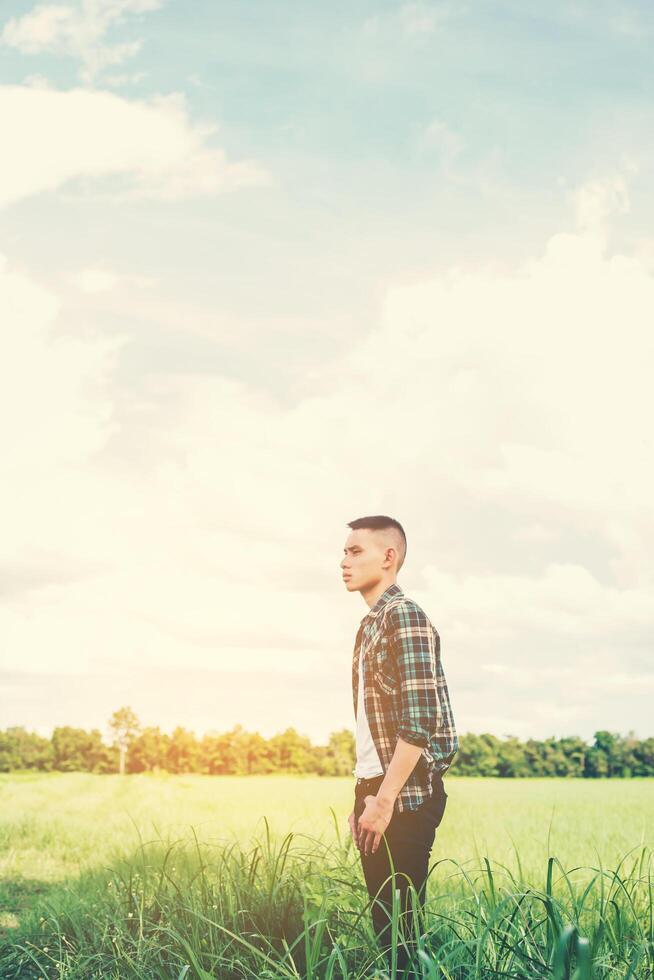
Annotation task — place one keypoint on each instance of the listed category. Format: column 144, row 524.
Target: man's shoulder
column 402, row 611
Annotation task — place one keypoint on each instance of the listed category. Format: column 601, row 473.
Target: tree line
column 132, row 748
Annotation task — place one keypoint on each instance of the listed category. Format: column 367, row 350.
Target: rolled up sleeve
column 414, row 645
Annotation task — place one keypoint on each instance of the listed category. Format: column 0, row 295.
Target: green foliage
column 20, row 749
column 238, row 752
column 148, row 752
column 292, row 906
column 124, row 727
column 74, row 749
column 292, row 752
column 125, row 874
column 610, row 755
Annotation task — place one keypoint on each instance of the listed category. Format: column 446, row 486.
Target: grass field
column 181, row 876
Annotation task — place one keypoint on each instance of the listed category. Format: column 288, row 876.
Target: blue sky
column 268, row 267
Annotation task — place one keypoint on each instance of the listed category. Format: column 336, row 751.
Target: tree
column 291, row 752
column 149, row 751
column 606, row 757
column 477, row 755
column 20, row 749
column 574, row 749
column 644, row 754
column 124, row 726
column 340, row 754
column 183, row 752
column 511, row 759
column 236, row 752
column 76, row 750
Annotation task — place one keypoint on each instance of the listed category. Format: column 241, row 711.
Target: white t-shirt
column 368, row 763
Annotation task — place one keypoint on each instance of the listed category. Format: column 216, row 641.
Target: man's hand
column 373, row 822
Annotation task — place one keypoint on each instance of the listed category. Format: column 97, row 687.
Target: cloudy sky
column 268, row 267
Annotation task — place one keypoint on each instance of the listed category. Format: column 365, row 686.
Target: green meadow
column 148, row 876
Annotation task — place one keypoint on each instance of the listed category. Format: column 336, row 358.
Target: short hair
column 380, row 523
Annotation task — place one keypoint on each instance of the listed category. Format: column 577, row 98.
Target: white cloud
column 600, row 199
column 38, row 81
column 77, row 31
column 53, row 137
column 102, row 279
column 413, row 21
column 503, row 417
column 483, row 174
column 438, row 136
column 39, row 29
column 54, row 404
column 122, row 79
column 563, row 600
column 556, row 358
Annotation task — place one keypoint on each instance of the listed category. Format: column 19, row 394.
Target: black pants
column 410, row 836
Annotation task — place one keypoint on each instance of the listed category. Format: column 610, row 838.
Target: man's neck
column 374, row 593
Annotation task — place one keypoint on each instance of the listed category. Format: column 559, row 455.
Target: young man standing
column 405, row 734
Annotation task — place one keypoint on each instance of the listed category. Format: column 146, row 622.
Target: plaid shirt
column 404, row 690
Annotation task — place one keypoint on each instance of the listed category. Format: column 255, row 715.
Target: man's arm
column 379, row 809
column 399, row 769
column 414, row 649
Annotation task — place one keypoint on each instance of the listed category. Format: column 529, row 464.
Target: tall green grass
column 277, row 907
column 179, row 877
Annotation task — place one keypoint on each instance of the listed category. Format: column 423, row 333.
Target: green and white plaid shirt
column 404, row 690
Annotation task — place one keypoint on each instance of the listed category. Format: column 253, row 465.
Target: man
column 405, row 735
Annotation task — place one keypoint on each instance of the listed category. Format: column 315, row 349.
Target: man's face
column 363, row 555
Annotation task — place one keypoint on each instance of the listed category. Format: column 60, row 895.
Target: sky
column 269, row 267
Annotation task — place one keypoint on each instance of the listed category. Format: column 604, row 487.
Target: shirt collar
column 391, row 591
